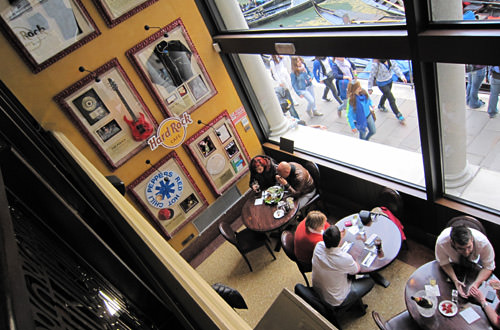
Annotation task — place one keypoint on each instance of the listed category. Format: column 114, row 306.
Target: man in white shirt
column 466, row 247
column 330, row 267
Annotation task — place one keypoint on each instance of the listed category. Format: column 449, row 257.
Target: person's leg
column 381, row 102
column 494, row 91
column 329, row 83
column 342, row 88
column 325, row 92
column 386, row 90
column 468, row 88
column 310, row 102
column 477, row 78
column 359, row 288
column 310, row 89
column 371, row 127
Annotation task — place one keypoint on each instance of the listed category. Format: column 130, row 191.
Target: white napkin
column 469, row 315
column 432, row 290
column 346, row 246
column 259, row 201
column 368, row 259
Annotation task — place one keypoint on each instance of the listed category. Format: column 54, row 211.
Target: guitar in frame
column 140, row 127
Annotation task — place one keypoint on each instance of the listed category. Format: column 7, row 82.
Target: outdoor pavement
column 483, row 139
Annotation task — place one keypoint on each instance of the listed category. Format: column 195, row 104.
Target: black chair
column 391, row 199
column 328, row 311
column 467, row 221
column 398, row 322
column 245, row 241
column 287, row 242
column 313, row 169
column 230, row 295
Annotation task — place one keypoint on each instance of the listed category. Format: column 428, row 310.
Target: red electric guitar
column 141, row 128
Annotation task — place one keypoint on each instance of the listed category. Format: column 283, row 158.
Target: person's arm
column 488, row 310
column 316, row 68
column 460, row 285
column 397, row 70
column 337, row 73
column 483, row 275
column 372, row 77
column 293, row 79
column 350, row 117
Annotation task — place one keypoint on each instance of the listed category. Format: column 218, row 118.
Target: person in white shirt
column 468, row 248
column 330, row 269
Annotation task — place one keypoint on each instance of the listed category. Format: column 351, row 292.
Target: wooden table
column 432, row 270
column 261, row 217
column 385, row 229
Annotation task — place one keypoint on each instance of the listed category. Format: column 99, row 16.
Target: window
column 436, row 55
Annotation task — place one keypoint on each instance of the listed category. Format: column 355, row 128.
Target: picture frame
column 168, row 194
column 43, row 32
column 172, row 70
column 116, row 11
column 103, row 113
column 219, row 153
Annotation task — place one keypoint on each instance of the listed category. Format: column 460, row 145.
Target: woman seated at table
column 488, row 310
column 262, row 173
column 309, row 232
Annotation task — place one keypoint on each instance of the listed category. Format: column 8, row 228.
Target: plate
column 448, row 308
column 273, row 195
column 279, row 214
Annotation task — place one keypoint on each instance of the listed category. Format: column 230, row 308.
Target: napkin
column 367, row 261
column 432, row 290
column 469, row 315
column 346, row 246
column 259, row 201
column 354, row 229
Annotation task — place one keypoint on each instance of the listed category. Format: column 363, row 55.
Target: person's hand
column 301, row 96
column 460, row 288
column 281, row 180
column 476, row 294
column 370, row 91
column 404, row 80
column 342, row 234
column 354, row 130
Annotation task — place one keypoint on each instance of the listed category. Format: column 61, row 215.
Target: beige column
column 255, row 70
column 451, row 87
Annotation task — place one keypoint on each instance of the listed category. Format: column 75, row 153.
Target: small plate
column 446, row 305
column 279, row 214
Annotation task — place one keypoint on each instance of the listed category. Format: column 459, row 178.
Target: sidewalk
column 483, row 143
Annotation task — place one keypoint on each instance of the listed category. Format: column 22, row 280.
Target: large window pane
column 273, row 14
column 324, row 126
column 458, row 10
column 470, row 130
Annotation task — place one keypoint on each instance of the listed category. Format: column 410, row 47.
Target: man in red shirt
column 309, row 232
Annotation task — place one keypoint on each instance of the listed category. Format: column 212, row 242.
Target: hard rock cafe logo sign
column 164, row 189
column 171, row 132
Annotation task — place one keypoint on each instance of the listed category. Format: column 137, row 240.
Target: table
column 391, row 244
column 261, row 217
column 421, row 277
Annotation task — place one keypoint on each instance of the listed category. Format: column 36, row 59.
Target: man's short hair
column 460, row 235
column 315, row 219
column 331, row 237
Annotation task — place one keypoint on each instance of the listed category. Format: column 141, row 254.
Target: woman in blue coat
column 302, row 84
column 359, row 111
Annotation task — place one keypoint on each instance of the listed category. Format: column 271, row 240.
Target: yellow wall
column 37, row 90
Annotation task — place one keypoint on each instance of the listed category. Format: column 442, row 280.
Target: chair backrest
column 313, row 169
column 391, row 199
column 228, row 232
column 230, row 295
column 312, row 298
column 379, row 321
column 467, row 221
column 287, row 242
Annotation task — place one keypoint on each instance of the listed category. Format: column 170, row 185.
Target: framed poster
column 172, row 70
column 116, row 11
column 45, row 31
column 110, row 113
column 168, row 194
column 219, row 153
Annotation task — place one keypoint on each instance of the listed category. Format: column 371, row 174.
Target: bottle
column 422, row 302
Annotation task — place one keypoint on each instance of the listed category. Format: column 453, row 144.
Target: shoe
column 481, row 103
column 310, row 113
column 317, row 113
column 326, row 99
column 339, row 113
column 493, row 115
column 401, row 118
column 382, row 108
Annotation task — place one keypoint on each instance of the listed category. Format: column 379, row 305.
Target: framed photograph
column 45, row 31
column 219, row 153
column 110, row 113
column 168, row 194
column 116, row 11
column 171, row 68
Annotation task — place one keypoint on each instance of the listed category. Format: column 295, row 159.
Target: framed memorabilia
column 168, row 194
column 219, row 153
column 171, row 68
column 110, row 113
column 116, row 11
column 45, row 31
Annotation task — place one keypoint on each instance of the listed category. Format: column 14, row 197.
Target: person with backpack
column 322, row 71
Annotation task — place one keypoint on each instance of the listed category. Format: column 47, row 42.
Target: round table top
column 261, row 217
column 422, row 277
column 384, row 228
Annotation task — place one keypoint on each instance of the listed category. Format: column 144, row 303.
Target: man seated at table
column 309, row 232
column 330, row 269
column 468, row 248
column 297, row 180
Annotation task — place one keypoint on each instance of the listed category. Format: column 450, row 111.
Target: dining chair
column 467, row 221
column 313, row 170
column 287, row 242
column 391, row 199
column 245, row 240
column 329, row 312
column 402, row 320
column 230, row 295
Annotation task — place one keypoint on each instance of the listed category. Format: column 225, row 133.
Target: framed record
column 109, row 112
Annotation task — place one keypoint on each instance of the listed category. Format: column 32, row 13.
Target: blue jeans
column 308, row 94
column 370, row 125
column 475, row 80
column 494, row 91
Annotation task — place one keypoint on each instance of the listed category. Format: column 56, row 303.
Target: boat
column 340, row 16
column 393, row 7
column 279, row 10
